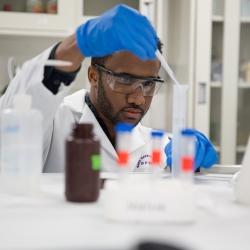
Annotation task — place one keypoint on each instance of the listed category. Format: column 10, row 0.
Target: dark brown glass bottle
column 82, row 173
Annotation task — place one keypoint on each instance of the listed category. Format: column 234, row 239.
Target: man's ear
column 93, row 76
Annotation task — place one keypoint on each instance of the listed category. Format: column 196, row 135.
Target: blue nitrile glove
column 120, row 28
column 206, row 155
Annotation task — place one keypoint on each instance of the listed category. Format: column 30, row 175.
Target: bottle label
column 12, row 129
column 187, row 164
column 156, row 157
column 96, row 162
column 122, row 158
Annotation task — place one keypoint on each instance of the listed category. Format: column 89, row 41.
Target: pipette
column 43, row 63
column 54, row 63
column 166, row 66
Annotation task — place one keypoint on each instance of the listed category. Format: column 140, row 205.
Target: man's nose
column 137, row 96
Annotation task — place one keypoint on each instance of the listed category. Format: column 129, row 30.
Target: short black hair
column 101, row 60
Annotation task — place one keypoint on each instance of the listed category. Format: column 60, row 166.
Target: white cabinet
column 223, row 72
column 16, row 20
column 87, row 9
column 19, row 22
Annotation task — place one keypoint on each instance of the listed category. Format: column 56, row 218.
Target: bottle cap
column 123, row 127
column 188, row 132
column 22, row 101
column 155, row 133
column 87, row 126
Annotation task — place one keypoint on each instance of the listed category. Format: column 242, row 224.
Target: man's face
column 127, row 108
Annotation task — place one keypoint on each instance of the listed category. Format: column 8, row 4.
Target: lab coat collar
column 88, row 117
column 76, row 102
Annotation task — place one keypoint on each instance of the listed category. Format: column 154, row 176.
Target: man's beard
column 107, row 109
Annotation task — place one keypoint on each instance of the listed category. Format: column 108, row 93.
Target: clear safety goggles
column 127, row 84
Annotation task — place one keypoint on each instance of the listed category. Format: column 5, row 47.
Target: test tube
column 187, row 155
column 179, row 123
column 123, row 140
column 156, row 152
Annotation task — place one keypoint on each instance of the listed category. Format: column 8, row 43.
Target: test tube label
column 156, row 157
column 122, row 158
column 187, row 164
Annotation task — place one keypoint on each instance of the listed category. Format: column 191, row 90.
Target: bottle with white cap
column 188, row 151
column 157, row 153
column 21, row 147
column 21, row 141
column 123, row 143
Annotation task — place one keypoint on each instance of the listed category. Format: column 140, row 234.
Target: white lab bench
column 47, row 221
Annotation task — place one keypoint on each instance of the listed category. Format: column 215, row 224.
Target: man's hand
column 120, row 28
column 206, row 155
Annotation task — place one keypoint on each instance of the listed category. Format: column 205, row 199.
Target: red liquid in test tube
column 187, row 164
column 123, row 141
column 187, row 155
column 122, row 160
column 156, row 154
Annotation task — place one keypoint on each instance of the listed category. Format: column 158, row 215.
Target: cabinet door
column 216, row 79
column 88, row 9
column 230, row 81
column 243, row 109
column 18, row 20
column 217, row 64
column 203, row 65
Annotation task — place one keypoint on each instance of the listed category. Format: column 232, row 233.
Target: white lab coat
column 60, row 113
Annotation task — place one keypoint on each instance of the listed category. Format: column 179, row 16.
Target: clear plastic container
column 187, row 155
column 157, row 137
column 179, row 123
column 52, row 7
column 21, row 147
column 34, row 6
column 123, row 140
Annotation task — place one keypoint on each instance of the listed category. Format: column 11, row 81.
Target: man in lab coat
column 123, row 76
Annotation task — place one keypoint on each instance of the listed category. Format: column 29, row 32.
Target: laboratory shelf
column 20, row 22
column 217, row 148
column 218, row 19
column 241, row 149
column 245, row 19
column 16, row 32
column 216, row 84
column 244, row 85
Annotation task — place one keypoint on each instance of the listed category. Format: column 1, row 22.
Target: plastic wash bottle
column 21, row 147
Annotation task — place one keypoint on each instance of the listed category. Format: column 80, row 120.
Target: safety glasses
column 127, row 84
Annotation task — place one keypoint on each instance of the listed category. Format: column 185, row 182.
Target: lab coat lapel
column 88, row 117
column 139, row 138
